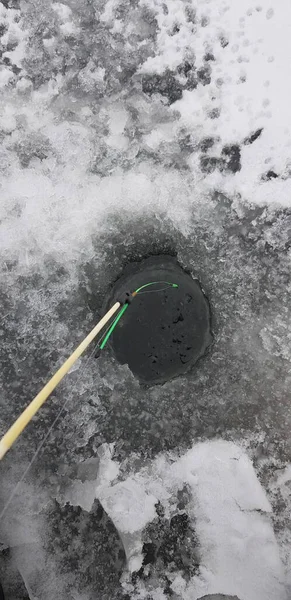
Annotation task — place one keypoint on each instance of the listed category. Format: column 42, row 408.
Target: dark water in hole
column 163, row 333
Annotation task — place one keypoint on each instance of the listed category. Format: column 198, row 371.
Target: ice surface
column 131, row 128
column 239, row 552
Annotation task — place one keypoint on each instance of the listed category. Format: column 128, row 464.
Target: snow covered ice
column 131, row 128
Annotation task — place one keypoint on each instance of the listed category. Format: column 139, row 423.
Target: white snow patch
column 108, row 14
column 5, row 76
column 15, row 36
column 250, row 85
column 63, row 204
column 68, row 29
column 129, row 504
column 23, row 85
column 91, row 77
column 171, row 48
column 117, row 119
column 108, row 468
column 64, row 12
column 49, row 42
column 230, row 512
column 7, row 120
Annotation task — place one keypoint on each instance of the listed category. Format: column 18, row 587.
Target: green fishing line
column 121, row 312
column 123, row 309
column 175, row 285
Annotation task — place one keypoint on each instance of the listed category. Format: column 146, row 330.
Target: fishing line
column 153, row 291
column 42, row 443
column 105, row 333
column 113, row 326
column 137, row 292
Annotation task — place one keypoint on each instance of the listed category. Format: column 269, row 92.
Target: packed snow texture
column 239, row 554
column 129, row 128
column 64, row 128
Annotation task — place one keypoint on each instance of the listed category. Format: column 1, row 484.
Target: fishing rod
column 30, row 411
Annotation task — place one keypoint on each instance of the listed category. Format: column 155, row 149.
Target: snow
column 249, row 84
column 241, row 112
column 116, row 121
column 14, row 36
column 5, row 77
column 64, row 13
column 232, row 515
column 131, row 507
